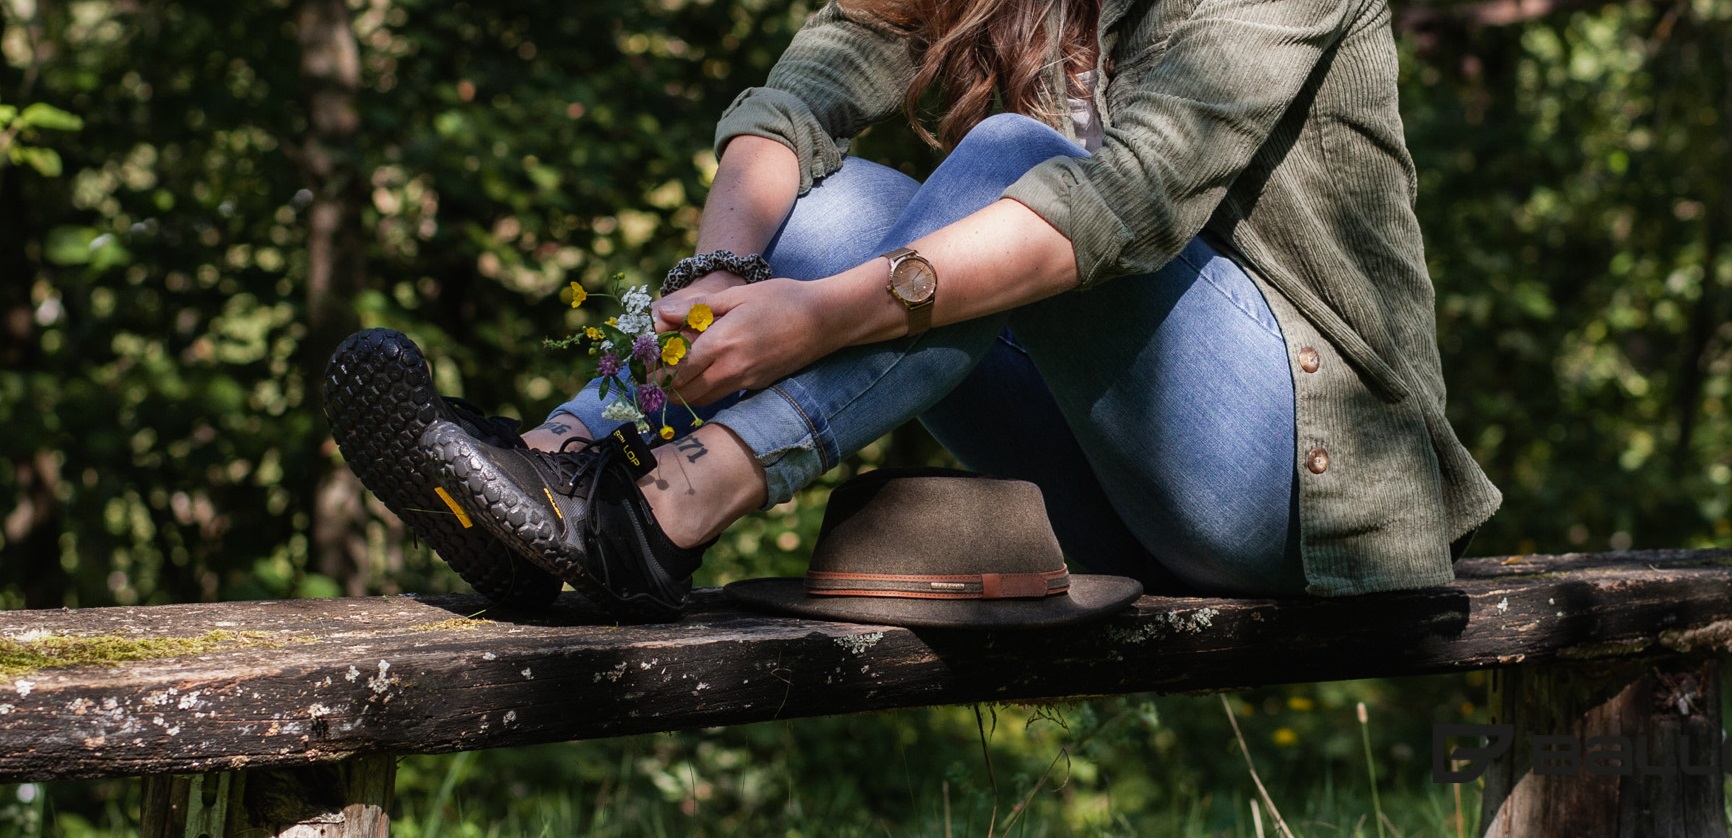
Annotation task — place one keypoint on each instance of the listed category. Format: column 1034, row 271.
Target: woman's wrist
column 714, row 281
column 857, row 309
column 751, row 268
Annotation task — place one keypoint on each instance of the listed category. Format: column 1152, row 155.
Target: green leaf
column 451, row 124
column 621, row 341
column 106, row 252
column 46, row 161
column 69, row 245
column 50, row 118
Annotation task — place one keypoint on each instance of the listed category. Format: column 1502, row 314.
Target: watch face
column 914, row 280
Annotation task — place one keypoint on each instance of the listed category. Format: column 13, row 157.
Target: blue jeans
column 1155, row 412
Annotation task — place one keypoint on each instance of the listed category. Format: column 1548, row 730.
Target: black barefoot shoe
column 379, row 398
column 577, row 513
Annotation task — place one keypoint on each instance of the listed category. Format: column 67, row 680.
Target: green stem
column 1370, row 766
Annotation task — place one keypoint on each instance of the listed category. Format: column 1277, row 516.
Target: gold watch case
column 913, row 281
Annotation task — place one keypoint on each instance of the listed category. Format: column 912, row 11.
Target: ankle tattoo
column 555, row 427
column 692, row 447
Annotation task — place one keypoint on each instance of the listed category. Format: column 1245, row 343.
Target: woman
column 1179, row 284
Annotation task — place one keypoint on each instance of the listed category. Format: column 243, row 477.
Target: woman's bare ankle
column 703, row 483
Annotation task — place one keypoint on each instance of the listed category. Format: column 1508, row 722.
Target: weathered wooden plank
column 397, row 675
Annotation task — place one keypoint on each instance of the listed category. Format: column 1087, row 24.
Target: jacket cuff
column 1060, row 193
column 781, row 116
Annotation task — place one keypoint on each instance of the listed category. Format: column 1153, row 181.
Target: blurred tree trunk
column 330, row 164
column 32, row 522
column 1711, row 313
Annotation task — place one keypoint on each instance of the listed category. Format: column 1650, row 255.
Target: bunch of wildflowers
column 636, row 365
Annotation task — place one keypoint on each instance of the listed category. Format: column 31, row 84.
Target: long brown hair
column 986, row 52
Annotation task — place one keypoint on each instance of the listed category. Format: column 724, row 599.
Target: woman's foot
column 577, row 513
column 379, row 399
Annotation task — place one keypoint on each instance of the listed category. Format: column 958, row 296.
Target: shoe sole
column 517, row 518
column 379, row 398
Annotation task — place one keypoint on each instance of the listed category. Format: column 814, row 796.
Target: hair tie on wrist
column 751, row 268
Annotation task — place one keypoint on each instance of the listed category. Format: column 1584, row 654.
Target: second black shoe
column 577, row 513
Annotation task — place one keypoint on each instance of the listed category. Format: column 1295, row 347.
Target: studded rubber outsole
column 520, row 520
column 379, row 398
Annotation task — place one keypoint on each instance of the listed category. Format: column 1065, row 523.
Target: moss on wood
column 57, row 651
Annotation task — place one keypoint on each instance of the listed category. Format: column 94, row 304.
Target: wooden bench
column 287, row 715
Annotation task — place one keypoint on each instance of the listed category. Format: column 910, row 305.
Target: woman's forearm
column 996, row 259
column 755, row 185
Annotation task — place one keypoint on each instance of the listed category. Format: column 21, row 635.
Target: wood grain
column 398, row 675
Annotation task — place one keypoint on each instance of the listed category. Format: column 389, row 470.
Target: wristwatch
column 914, row 284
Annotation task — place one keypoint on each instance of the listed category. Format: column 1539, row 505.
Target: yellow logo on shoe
column 462, row 517
column 551, row 502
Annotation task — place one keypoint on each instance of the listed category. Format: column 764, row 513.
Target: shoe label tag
column 637, row 455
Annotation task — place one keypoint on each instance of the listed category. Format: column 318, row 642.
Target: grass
column 1124, row 766
column 1130, row 766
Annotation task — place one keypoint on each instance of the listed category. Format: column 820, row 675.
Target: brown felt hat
column 937, row 548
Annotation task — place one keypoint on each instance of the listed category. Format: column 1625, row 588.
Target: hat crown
column 939, row 548
column 936, row 522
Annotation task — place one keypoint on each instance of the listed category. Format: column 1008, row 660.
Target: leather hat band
column 963, row 586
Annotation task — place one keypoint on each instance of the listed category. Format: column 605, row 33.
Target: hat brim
column 1090, row 598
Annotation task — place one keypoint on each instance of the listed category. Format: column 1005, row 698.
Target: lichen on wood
column 453, row 624
column 24, row 655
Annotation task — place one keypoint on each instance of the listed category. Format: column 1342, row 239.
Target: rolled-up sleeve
column 837, row 77
column 1187, row 116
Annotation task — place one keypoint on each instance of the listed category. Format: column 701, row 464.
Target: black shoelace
column 590, row 464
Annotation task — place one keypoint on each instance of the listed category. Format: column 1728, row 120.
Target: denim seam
column 811, row 427
column 1255, row 316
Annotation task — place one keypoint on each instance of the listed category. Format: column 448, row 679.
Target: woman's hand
column 762, row 333
column 683, row 299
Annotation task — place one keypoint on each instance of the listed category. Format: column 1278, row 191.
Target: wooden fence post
column 1636, row 750
column 348, row 799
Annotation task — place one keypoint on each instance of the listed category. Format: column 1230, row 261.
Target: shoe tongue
column 493, row 430
column 637, row 456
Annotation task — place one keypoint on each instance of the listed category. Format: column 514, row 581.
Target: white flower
column 636, row 300
column 620, row 410
column 636, row 324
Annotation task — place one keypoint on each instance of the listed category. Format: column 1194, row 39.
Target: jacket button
column 1309, row 360
column 1318, row 460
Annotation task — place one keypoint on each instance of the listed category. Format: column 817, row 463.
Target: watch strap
column 920, row 317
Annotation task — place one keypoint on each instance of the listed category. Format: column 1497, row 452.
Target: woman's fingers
column 670, row 311
column 694, row 378
column 759, row 334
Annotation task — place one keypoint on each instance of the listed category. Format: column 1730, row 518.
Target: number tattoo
column 693, row 447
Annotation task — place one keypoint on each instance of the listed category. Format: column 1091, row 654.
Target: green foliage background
column 157, row 346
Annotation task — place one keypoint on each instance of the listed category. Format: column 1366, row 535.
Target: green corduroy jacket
column 1271, row 128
